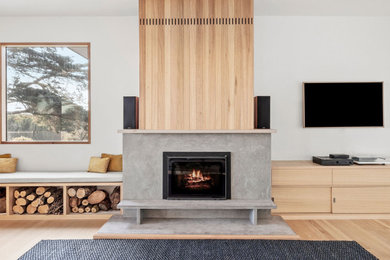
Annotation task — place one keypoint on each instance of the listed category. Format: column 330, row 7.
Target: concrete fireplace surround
column 143, row 184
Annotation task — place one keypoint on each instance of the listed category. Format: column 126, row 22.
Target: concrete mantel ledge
column 249, row 131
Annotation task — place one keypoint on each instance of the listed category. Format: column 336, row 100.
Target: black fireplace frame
column 200, row 155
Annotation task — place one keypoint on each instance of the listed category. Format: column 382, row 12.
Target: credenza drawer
column 302, row 177
column 361, row 200
column 361, row 177
column 302, row 200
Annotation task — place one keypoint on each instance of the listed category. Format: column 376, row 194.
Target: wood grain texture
column 361, row 200
column 302, row 199
column 302, row 177
column 361, row 177
column 196, row 64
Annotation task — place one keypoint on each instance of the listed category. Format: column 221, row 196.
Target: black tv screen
column 343, row 104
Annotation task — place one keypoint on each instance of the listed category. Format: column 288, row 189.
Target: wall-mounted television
column 358, row 104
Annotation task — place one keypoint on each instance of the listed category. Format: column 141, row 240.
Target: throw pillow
column 8, row 165
column 115, row 162
column 97, row 164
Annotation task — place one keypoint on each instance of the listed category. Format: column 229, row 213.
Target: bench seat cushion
column 59, row 177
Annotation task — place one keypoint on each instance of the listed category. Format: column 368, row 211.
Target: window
column 45, row 94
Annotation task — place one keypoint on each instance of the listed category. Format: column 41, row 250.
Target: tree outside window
column 46, row 94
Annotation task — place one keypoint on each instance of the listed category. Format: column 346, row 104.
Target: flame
column 196, row 176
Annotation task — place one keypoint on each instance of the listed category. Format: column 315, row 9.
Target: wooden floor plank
column 16, row 237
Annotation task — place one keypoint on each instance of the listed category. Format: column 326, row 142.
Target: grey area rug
column 195, row 249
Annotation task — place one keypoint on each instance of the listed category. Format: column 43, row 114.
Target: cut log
column 81, row 209
column 40, row 190
column 87, row 209
column 97, row 196
column 95, row 209
column 85, row 191
column 17, row 209
column 74, row 202
column 105, row 204
column 26, row 191
column 49, row 192
column 56, row 195
column 16, row 193
column 72, row 192
column 21, row 202
column 75, row 209
column 31, row 209
column 3, row 205
column 43, row 209
column 115, row 197
column 38, row 201
column 31, row 197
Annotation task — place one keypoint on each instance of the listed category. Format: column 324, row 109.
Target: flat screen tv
column 343, row 104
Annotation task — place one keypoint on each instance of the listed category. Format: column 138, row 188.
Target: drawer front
column 361, row 177
column 301, row 200
column 302, row 177
column 361, row 200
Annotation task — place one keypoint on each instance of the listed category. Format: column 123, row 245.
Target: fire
column 196, row 177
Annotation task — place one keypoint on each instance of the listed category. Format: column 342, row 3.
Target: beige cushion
column 115, row 162
column 97, row 164
column 6, row 155
column 8, row 165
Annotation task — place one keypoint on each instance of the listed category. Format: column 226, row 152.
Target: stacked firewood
column 2, row 200
column 42, row 200
column 92, row 200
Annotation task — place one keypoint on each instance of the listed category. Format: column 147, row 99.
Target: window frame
column 3, row 78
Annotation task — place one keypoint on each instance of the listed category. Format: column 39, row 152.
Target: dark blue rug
column 195, row 249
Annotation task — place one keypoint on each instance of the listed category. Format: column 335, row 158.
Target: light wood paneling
column 302, row 199
column 302, row 177
column 196, row 64
column 361, row 177
column 361, row 200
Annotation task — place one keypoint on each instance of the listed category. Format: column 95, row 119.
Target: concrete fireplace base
column 246, row 215
column 119, row 227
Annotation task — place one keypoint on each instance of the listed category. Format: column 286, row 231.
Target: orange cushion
column 115, row 162
column 97, row 164
column 6, row 155
column 8, row 165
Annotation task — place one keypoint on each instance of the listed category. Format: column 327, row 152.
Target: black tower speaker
column 130, row 112
column 262, row 112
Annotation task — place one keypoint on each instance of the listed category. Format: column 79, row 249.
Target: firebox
column 196, row 175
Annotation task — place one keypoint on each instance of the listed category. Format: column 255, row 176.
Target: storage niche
column 93, row 199
column 45, row 200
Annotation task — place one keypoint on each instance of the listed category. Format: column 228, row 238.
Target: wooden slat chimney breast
column 196, row 64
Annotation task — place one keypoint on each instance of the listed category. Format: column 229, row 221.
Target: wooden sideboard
column 304, row 187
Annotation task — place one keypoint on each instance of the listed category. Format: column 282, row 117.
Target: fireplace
column 196, row 175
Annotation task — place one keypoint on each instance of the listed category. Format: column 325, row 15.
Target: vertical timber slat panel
column 196, row 64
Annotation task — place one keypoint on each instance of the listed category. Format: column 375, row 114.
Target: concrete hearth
column 143, row 183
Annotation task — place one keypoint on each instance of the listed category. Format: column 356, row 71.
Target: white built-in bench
column 252, row 205
column 59, row 177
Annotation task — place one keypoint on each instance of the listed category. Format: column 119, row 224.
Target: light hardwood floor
column 16, row 237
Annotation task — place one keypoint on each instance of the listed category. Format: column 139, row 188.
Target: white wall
column 291, row 50
column 114, row 74
column 288, row 51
